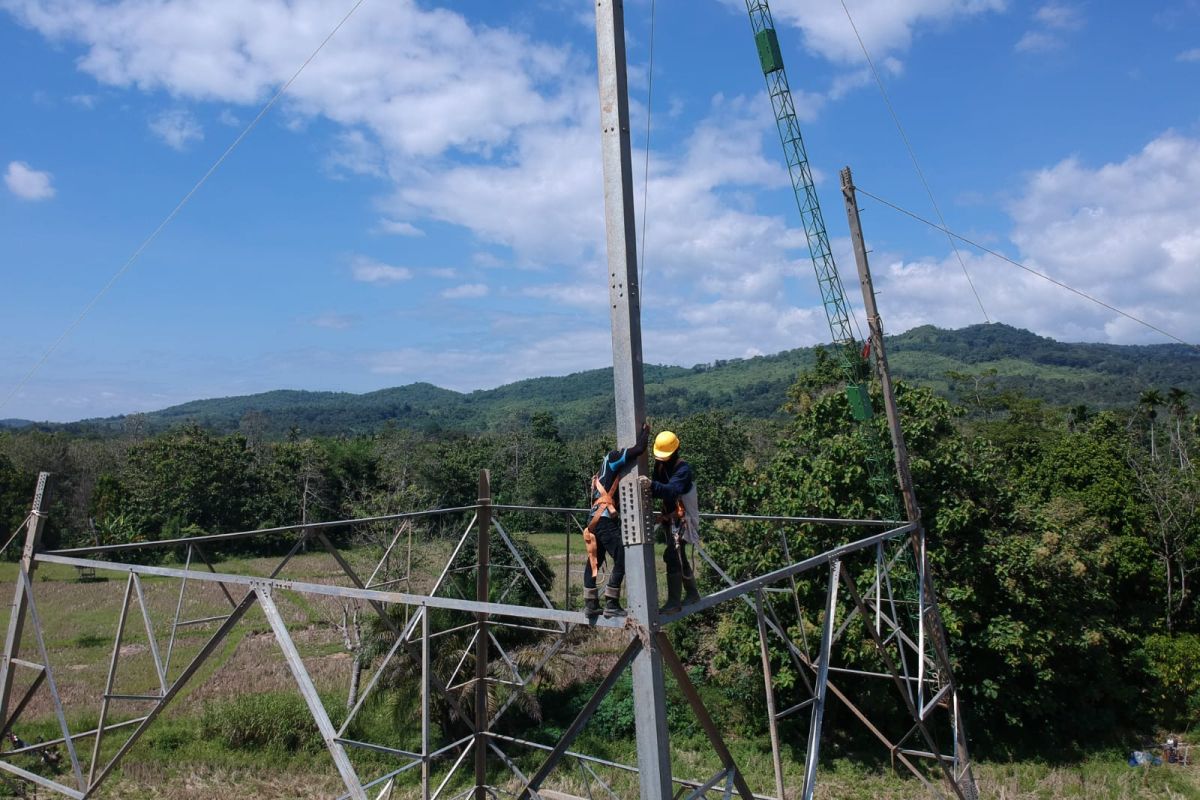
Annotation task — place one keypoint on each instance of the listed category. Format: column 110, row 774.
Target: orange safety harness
column 604, row 502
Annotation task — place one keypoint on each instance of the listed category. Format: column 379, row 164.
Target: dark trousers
column 676, row 555
column 608, row 536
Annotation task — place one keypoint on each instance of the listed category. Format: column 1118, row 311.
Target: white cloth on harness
column 690, row 524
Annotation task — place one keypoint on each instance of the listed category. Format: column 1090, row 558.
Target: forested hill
column 1001, row 357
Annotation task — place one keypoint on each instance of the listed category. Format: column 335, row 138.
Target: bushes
column 278, row 721
column 1174, row 663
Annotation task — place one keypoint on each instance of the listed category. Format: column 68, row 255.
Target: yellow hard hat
column 665, row 445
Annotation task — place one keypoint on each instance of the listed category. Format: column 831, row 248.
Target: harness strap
column 604, row 502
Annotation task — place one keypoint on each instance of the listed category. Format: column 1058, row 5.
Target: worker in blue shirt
column 603, row 533
column 675, row 486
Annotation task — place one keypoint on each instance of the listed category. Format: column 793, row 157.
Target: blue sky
column 424, row 203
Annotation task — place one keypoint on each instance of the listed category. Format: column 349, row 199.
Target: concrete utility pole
column 650, row 710
column 875, row 324
column 964, row 777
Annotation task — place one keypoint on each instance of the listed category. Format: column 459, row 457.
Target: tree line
column 1065, row 541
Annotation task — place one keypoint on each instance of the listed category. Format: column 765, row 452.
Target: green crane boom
column 833, row 296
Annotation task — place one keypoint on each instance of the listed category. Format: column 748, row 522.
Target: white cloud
column 227, row 117
column 466, row 291
column 355, row 153
column 886, row 26
column 1189, row 55
column 367, row 270
column 1123, row 232
column 334, row 321
column 1038, row 42
column 85, row 101
column 1060, row 16
column 28, row 183
column 399, row 228
column 177, row 127
column 1050, row 22
column 445, row 273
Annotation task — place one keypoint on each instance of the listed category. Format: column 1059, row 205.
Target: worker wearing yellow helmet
column 674, row 484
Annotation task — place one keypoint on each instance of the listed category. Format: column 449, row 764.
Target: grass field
column 181, row 756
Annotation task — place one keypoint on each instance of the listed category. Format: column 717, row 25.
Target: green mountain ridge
column 1098, row 375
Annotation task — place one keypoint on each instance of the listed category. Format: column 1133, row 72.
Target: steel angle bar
column 112, row 675
column 38, row 746
column 189, row 623
column 437, row 585
column 378, row 748
column 362, row 696
column 512, row 548
column 309, row 692
column 842, row 523
column 225, row 537
column 197, row 661
column 923, row 754
column 401, row 598
column 33, row 777
column 387, row 776
column 702, row 716
column 507, row 660
column 542, row 662
column 508, row 762
column 453, row 768
column 818, row 707
column 400, row 529
column 213, row 569
column 798, row 658
column 586, row 767
column 701, row 790
column 150, row 637
column 588, row 760
column 772, row 719
column 380, row 610
column 15, row 534
column 187, row 565
column 577, row 725
column 15, row 714
column 872, row 589
column 803, row 704
column 425, row 669
column 463, row 660
column 901, row 686
column 763, row 581
column 867, row 673
column 50, row 683
column 534, row 628
column 587, row 782
column 933, row 701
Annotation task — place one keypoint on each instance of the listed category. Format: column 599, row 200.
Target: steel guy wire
column 1028, row 269
column 913, row 155
column 175, row 211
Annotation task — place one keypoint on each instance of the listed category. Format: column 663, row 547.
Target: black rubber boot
column 612, row 602
column 693, row 595
column 591, row 602
column 674, row 590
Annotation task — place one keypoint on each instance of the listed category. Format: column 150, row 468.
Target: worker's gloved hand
column 644, row 483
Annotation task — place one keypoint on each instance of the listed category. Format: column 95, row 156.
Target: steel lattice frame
column 869, row 599
column 910, row 646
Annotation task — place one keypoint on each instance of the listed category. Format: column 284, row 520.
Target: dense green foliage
column 1065, row 539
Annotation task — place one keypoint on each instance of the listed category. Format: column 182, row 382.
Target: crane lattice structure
column 854, row 580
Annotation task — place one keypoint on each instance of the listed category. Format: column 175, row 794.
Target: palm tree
column 1177, row 402
column 1150, row 400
